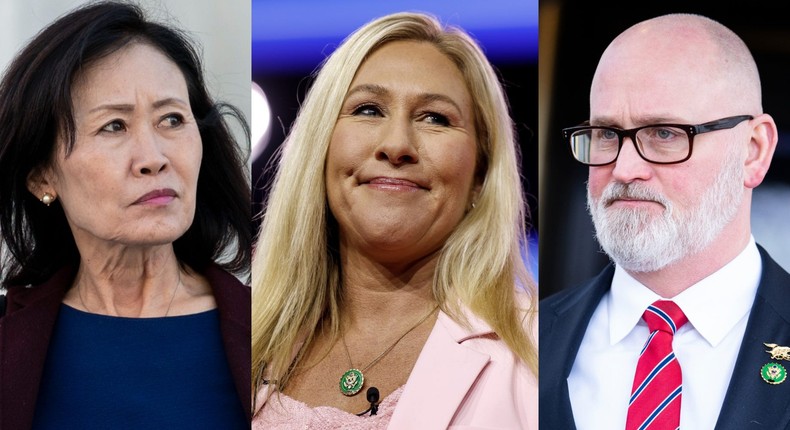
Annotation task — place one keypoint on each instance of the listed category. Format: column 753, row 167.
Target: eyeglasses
column 656, row 143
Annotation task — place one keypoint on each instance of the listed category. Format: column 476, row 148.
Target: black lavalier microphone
column 373, row 398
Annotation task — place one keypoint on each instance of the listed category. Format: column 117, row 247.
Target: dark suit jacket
column 31, row 313
column 750, row 403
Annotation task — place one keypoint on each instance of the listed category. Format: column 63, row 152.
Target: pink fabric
column 285, row 413
column 465, row 377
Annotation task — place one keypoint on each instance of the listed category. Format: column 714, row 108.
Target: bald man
column 673, row 333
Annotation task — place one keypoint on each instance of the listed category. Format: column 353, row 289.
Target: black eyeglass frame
column 691, row 131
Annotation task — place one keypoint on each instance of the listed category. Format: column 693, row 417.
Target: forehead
column 413, row 67
column 124, row 73
column 674, row 76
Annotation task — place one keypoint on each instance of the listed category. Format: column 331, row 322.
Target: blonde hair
column 296, row 273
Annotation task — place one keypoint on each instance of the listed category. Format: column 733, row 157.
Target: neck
column 374, row 293
column 128, row 281
column 677, row 277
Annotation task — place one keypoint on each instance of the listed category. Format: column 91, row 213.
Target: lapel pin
column 775, row 373
column 778, row 352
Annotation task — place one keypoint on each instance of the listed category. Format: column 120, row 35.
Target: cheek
column 598, row 180
column 80, row 175
column 197, row 158
column 346, row 152
column 336, row 160
column 455, row 163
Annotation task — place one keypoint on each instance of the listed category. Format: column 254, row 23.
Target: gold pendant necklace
column 353, row 379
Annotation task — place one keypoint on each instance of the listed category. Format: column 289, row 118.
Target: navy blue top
column 107, row 372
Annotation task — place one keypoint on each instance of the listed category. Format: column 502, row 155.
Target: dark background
column 573, row 36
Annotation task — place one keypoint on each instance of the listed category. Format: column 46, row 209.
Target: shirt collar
column 733, row 287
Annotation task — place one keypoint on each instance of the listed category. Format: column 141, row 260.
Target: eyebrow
column 124, row 107
column 380, row 90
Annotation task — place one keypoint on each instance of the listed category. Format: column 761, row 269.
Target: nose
column 398, row 144
column 148, row 157
column 630, row 166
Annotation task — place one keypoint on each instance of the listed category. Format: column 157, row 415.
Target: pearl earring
column 47, row 199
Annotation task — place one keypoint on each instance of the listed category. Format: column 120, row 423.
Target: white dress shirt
column 706, row 347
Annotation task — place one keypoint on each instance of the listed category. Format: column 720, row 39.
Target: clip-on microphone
column 373, row 398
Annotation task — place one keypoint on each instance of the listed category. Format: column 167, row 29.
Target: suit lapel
column 25, row 334
column 443, row 374
column 233, row 304
column 750, row 402
column 563, row 322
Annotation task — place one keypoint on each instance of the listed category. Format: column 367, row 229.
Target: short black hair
column 36, row 107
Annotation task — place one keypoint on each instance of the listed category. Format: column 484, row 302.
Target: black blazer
column 750, row 403
column 31, row 313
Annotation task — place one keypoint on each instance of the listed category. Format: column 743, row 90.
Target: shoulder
column 478, row 336
column 45, row 295
column 505, row 391
column 232, row 296
column 225, row 285
column 772, row 272
column 774, row 287
column 580, row 295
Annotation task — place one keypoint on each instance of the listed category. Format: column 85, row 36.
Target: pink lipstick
column 393, row 184
column 157, row 197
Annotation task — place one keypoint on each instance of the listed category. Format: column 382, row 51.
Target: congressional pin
column 773, row 373
column 351, row 382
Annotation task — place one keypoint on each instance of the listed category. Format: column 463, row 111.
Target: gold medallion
column 773, row 373
column 351, row 382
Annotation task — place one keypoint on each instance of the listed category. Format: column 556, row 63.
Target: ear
column 474, row 194
column 761, row 150
column 39, row 182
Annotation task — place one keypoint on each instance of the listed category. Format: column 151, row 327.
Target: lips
column 395, row 184
column 629, row 200
column 157, row 196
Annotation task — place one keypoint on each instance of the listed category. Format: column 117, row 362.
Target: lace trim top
column 284, row 413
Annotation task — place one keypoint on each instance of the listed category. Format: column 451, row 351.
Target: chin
column 155, row 235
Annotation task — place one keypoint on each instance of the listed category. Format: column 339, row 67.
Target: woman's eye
column 367, row 110
column 114, row 126
column 436, row 118
column 173, row 120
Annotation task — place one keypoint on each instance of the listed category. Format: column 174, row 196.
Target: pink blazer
column 465, row 379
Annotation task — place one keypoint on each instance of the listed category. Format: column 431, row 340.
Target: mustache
column 632, row 191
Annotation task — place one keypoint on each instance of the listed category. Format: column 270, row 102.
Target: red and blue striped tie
column 655, row 395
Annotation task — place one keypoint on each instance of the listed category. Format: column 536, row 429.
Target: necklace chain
column 167, row 312
column 380, row 356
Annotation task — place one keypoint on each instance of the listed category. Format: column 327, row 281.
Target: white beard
column 638, row 241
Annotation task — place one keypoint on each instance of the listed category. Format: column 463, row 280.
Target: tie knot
column 664, row 315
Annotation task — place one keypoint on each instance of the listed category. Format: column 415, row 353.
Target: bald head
column 685, row 67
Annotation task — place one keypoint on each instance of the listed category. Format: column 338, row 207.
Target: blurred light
column 261, row 121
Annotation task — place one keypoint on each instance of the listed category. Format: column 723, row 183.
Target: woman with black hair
column 123, row 208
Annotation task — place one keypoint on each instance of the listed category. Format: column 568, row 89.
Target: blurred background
column 291, row 39
column 573, row 35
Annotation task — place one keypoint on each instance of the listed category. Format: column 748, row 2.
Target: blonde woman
column 389, row 289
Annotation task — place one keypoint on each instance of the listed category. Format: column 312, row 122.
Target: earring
column 473, row 205
column 47, row 199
